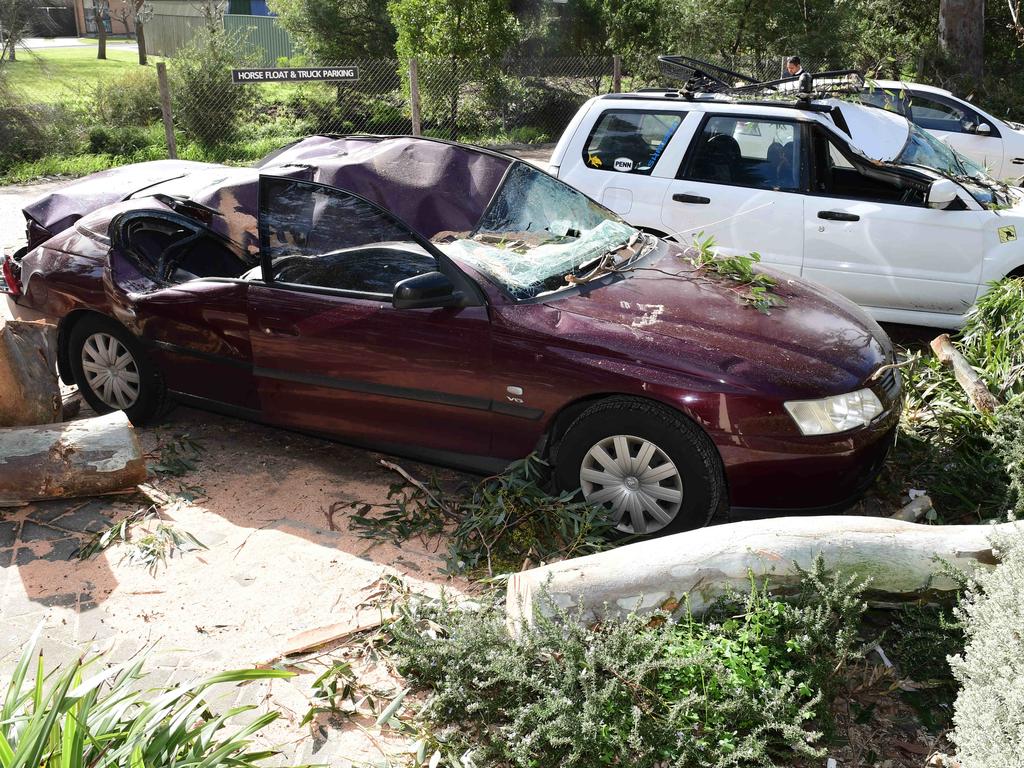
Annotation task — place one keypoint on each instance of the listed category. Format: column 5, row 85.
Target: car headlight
column 835, row 414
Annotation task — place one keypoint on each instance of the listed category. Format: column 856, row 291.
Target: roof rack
column 809, row 84
column 702, row 77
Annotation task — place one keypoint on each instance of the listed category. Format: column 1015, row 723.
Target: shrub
column 133, row 99
column 117, row 141
column 207, row 105
column 989, row 711
column 737, row 689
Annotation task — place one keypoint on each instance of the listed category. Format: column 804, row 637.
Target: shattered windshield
column 537, row 232
column 922, row 148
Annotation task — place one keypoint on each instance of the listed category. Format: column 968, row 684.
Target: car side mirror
column 942, row 194
column 983, row 129
column 431, row 289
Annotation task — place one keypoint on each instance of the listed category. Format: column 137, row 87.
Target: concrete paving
column 271, row 510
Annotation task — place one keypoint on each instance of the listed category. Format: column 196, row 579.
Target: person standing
column 794, row 67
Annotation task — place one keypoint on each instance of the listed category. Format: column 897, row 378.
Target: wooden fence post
column 414, row 95
column 165, row 108
column 616, row 74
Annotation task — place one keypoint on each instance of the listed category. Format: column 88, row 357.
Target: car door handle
column 838, row 216
column 696, row 199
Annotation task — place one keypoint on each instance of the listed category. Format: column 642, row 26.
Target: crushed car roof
column 432, row 185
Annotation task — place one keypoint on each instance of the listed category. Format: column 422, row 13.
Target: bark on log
column 29, row 392
column 965, row 374
column 695, row 567
column 78, row 458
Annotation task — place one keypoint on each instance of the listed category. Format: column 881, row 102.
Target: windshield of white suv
column 922, row 148
column 536, row 232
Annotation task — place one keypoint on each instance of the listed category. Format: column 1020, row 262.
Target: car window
column 765, row 154
column 937, row 115
column 835, row 174
column 890, row 99
column 630, row 141
column 168, row 251
column 315, row 236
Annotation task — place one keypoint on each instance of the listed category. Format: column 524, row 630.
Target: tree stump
column 90, row 457
column 29, row 391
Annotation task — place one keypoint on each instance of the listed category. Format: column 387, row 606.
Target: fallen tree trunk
column 78, row 458
column 29, row 392
column 693, row 568
column 965, row 374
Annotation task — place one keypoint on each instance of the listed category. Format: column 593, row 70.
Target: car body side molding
column 351, row 385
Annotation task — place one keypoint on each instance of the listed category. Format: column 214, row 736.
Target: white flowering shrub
column 989, row 712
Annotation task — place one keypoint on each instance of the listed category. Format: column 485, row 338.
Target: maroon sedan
column 459, row 306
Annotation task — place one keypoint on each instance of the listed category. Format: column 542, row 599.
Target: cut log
column 29, row 392
column 79, row 458
column 333, row 633
column 915, row 510
column 691, row 569
column 965, row 374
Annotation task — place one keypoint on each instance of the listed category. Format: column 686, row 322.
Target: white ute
column 851, row 196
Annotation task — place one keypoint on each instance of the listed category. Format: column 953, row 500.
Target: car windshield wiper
column 606, row 263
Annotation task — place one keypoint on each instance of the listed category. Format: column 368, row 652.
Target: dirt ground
column 272, row 567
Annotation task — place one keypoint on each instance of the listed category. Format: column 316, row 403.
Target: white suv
column 994, row 144
column 851, row 196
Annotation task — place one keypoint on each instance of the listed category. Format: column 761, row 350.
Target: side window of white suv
column 630, row 140
column 746, row 152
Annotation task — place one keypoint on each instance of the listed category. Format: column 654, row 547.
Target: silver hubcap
column 635, row 480
column 110, row 371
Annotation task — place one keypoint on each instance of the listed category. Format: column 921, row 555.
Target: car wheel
column 653, row 469
column 113, row 372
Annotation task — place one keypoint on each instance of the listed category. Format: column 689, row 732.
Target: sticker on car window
column 595, row 161
column 1007, row 234
column 623, row 164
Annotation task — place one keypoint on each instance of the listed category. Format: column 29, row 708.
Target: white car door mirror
column 942, row 194
column 983, row 129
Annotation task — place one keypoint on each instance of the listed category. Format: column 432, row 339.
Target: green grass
column 239, row 152
column 48, row 75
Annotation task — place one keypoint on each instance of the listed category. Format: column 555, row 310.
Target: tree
column 143, row 13
column 455, row 41
column 962, row 35
column 16, row 18
column 134, row 13
column 338, row 31
column 101, row 33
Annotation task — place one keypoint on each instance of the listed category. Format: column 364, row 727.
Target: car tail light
column 11, row 282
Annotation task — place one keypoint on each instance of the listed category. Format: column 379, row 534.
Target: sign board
column 295, row 75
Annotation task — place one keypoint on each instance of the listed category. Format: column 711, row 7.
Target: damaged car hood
column 818, row 339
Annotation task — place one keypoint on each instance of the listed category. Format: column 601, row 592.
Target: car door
column 742, row 182
column 195, row 322
column 331, row 352
column 869, row 235
column 961, row 127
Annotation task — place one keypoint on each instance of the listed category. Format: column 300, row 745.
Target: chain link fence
column 489, row 103
column 493, row 103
